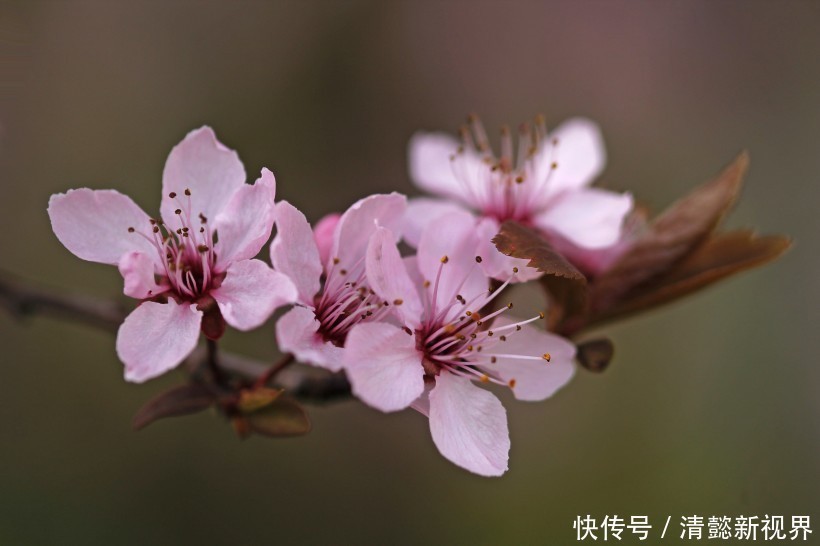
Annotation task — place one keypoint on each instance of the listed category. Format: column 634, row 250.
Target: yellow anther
column 511, row 383
column 485, row 378
column 444, row 259
column 546, row 356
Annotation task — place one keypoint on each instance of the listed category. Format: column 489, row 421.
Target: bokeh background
column 710, row 407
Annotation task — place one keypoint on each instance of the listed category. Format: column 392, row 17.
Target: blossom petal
column 469, row 425
column 422, row 403
column 534, row 379
column 432, row 159
column 245, row 225
column 94, row 224
column 383, row 366
column 156, row 337
column 360, row 221
column 590, row 218
column 495, row 264
column 297, row 333
column 388, row 277
column 323, row 234
column 137, row 270
column 420, row 212
column 251, row 292
column 579, row 156
column 205, row 166
column 453, row 236
column 294, row 252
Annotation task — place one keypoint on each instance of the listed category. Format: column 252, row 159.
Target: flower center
column 458, row 339
column 346, row 300
column 186, row 253
column 502, row 187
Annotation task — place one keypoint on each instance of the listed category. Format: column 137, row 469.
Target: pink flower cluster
column 425, row 330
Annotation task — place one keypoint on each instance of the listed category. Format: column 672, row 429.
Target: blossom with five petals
column 546, row 187
column 445, row 342
column 194, row 262
column 328, row 268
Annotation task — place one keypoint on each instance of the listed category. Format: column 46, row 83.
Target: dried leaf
column 565, row 283
column 181, row 400
column 284, row 417
column 719, row 257
column 595, row 354
column 673, row 234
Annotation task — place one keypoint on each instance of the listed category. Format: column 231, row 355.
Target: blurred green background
column 710, row 407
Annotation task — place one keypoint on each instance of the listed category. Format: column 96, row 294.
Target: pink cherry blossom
column 546, row 186
column 328, row 268
column 444, row 341
column 196, row 259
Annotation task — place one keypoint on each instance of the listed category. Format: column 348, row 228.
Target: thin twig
column 275, row 369
column 212, row 362
column 22, row 299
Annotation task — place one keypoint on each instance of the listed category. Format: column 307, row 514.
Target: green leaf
column 251, row 400
column 284, row 417
column 181, row 400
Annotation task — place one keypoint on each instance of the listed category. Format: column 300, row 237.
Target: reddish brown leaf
column 595, row 354
column 719, row 257
column 284, row 417
column 673, row 234
column 565, row 283
column 181, row 400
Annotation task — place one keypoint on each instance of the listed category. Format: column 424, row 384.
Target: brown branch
column 22, row 299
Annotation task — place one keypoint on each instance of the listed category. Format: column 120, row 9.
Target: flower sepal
column 213, row 323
